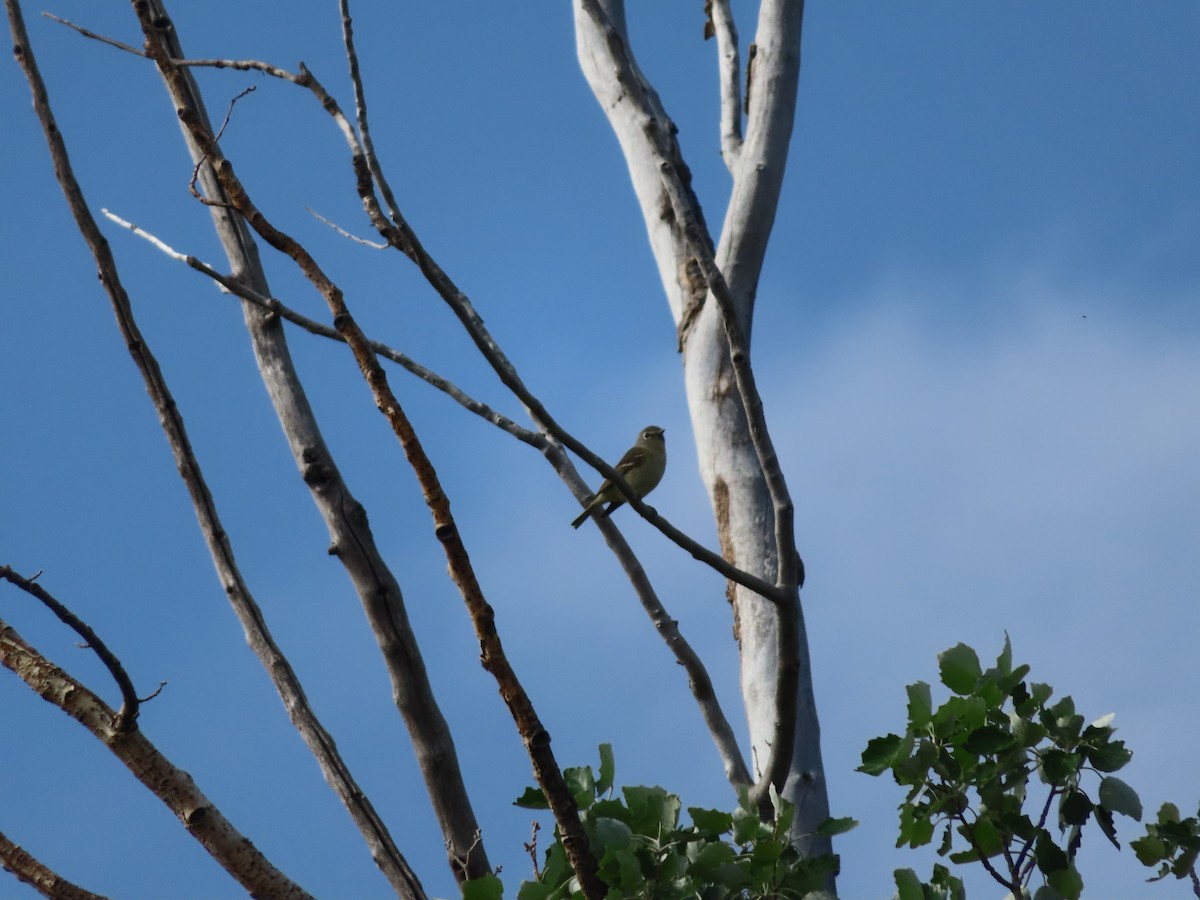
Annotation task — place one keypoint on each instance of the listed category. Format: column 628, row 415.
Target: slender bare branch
column 720, row 17
column 403, row 238
column 104, row 39
column 174, row 787
column 400, row 235
column 698, row 678
column 38, row 875
column 352, row 542
column 127, row 717
column 383, row 848
column 272, row 304
column 374, row 245
column 536, row 739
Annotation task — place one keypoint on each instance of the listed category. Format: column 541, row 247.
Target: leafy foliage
column 970, row 766
column 1172, row 844
column 645, row 851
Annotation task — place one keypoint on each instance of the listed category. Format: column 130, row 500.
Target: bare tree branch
column 401, row 236
column 272, row 304
column 174, row 787
column 351, row 539
column 374, row 245
column 720, row 18
column 698, row 678
column 127, row 717
column 684, row 208
column 374, row 832
column 38, row 875
column 546, row 770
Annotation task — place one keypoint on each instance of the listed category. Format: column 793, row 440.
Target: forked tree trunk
column 729, row 463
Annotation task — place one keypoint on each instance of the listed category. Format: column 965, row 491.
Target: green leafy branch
column 645, row 851
column 969, row 766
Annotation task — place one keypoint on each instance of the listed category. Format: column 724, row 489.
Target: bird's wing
column 630, row 461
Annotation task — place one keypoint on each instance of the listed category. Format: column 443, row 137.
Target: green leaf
column 610, row 834
column 653, row 810
column 1074, row 808
column 989, row 739
column 533, row 798
column 582, row 785
column 1058, row 766
column 608, row 769
column 709, row 857
column 1040, row 693
column 746, row 825
column 1063, row 709
column 1150, row 850
column 986, row 837
column 768, row 851
column 1025, row 732
column 831, row 827
column 1049, row 856
column 881, row 754
column 612, row 809
column 908, row 885
column 920, row 705
column 710, row 822
column 1067, row 882
column 489, row 887
column 535, row 890
column 960, row 668
column 922, row 832
column 947, row 841
column 1104, row 818
column 1120, row 797
column 1109, row 756
column 785, row 812
column 1004, row 660
column 950, row 886
column 1168, row 812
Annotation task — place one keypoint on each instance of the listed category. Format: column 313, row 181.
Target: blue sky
column 978, row 335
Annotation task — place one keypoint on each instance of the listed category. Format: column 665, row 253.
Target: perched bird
column 642, row 467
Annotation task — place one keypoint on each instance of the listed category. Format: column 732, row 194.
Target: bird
column 642, row 467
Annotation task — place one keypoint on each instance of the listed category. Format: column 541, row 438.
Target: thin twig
column 127, row 717
column 112, row 42
column 272, row 304
column 200, row 162
column 374, row 245
column 531, row 849
column 987, row 863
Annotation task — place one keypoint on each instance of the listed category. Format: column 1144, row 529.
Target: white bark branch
column 743, row 478
column 729, row 72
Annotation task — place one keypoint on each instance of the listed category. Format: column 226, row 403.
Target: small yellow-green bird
column 642, row 467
